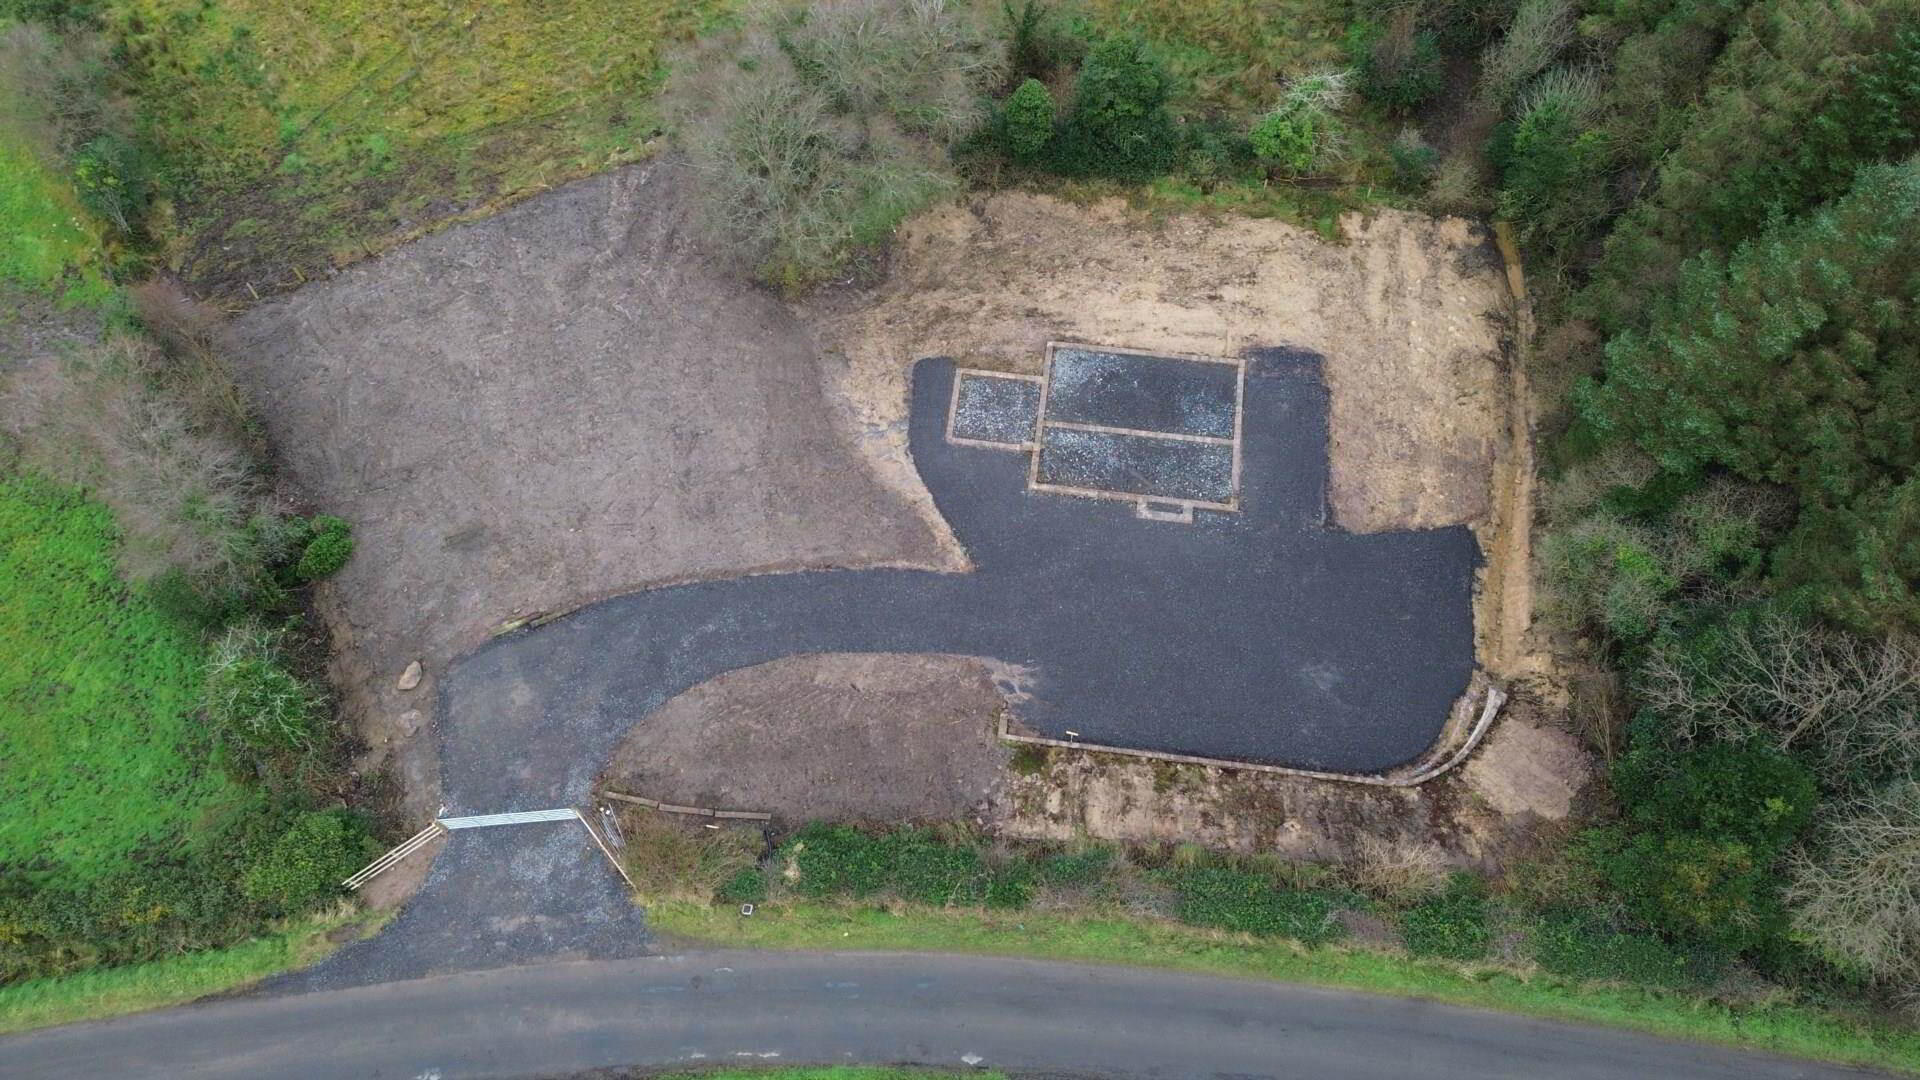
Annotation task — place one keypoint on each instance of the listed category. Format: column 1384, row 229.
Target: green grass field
column 104, row 758
column 307, row 132
column 1787, row 1029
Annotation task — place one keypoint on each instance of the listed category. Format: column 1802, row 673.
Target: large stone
column 410, row 678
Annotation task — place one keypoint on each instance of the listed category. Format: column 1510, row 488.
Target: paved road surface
column 769, row 1008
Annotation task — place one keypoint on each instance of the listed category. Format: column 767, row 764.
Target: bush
column 1706, row 889
column 1746, row 792
column 1027, row 121
column 252, row 700
column 113, row 176
column 1038, row 40
column 308, row 862
column 1397, row 64
column 1301, row 130
column 328, row 547
column 912, row 864
column 1251, row 903
column 1452, row 925
column 1414, row 161
column 1582, row 948
column 1539, row 31
column 1119, row 126
column 747, row 886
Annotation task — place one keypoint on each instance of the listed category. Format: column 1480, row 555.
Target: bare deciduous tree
column 1796, row 683
column 817, row 129
column 1859, row 901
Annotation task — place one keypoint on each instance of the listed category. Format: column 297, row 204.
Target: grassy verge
column 97, row 995
column 1784, row 1029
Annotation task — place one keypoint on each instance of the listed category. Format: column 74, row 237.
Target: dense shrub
column 1246, row 902
column 119, row 420
column 1693, row 886
column 1548, row 173
column 308, row 862
column 1747, row 792
column 1027, row 121
column 1396, row 63
column 253, row 701
column 209, row 894
column 747, row 886
column 328, row 546
column 1119, row 125
column 1583, row 948
column 912, row 864
column 1768, row 672
column 1452, row 925
column 1300, row 131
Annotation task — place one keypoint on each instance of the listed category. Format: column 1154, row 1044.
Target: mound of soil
column 879, row 737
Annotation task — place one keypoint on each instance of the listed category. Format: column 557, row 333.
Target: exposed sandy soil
column 1410, row 313
column 1526, row 774
column 557, row 404
column 847, row 737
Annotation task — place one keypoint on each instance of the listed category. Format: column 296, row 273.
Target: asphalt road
column 792, row 1008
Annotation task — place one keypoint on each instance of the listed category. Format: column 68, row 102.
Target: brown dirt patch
column 844, row 737
column 528, row 413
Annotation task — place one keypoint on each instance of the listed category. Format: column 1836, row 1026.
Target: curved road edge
column 714, row 1008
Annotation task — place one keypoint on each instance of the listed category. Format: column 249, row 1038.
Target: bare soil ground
column 554, row 405
column 847, row 737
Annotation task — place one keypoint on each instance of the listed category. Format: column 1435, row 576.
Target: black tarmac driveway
column 1263, row 636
